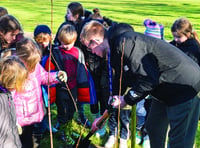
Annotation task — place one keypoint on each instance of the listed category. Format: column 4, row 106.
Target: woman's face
column 179, row 38
column 11, row 36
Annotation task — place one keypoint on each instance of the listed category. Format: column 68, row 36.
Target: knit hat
column 154, row 29
column 42, row 29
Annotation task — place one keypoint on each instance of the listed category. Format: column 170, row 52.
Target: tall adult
column 152, row 66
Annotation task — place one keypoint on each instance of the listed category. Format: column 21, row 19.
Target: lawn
column 33, row 12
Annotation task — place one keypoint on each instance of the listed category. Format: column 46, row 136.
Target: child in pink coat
column 29, row 104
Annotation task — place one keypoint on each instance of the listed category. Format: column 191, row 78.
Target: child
column 29, row 104
column 42, row 36
column 12, row 76
column 186, row 39
column 75, row 15
column 70, row 59
column 9, row 29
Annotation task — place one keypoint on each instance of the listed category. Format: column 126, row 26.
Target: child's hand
column 62, row 76
column 19, row 129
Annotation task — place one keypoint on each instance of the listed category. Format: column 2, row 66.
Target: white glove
column 62, row 76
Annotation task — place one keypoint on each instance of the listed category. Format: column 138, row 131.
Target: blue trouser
column 124, row 123
column 182, row 119
column 65, row 105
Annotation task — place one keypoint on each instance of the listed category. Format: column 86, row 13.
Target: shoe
column 110, row 142
column 101, row 132
column 53, row 129
column 66, row 138
column 138, row 139
column 123, row 143
column 82, row 120
column 146, row 142
column 57, row 125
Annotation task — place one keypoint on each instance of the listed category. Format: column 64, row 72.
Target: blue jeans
column 124, row 123
column 182, row 119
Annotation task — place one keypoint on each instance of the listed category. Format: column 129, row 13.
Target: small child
column 70, row 59
column 42, row 36
column 13, row 74
column 186, row 39
column 29, row 103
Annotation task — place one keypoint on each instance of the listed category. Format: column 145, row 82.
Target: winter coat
column 189, row 47
column 9, row 137
column 152, row 66
column 29, row 104
column 81, row 78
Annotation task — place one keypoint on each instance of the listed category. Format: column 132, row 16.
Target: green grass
column 33, row 12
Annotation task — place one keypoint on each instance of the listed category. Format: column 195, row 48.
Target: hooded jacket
column 152, row 66
column 8, row 129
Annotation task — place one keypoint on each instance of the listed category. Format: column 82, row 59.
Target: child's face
column 179, row 38
column 43, row 40
column 70, row 16
column 11, row 36
column 66, row 47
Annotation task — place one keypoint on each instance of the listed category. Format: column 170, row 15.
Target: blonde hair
column 67, row 34
column 92, row 28
column 183, row 26
column 29, row 53
column 13, row 73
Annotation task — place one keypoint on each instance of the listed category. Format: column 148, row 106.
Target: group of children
column 26, row 75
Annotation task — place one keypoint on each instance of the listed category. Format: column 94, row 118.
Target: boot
column 81, row 116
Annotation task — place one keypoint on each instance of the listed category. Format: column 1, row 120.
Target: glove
column 62, row 76
column 118, row 101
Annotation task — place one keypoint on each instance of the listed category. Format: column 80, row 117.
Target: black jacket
column 152, row 66
column 191, row 48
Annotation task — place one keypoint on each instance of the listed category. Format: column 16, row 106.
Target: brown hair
column 13, row 73
column 183, row 26
column 92, row 28
column 77, row 9
column 67, row 34
column 3, row 11
column 8, row 23
column 29, row 52
column 96, row 14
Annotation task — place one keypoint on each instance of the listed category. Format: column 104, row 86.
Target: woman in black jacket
column 152, row 66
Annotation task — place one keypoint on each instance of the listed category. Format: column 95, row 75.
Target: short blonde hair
column 67, row 34
column 13, row 73
column 29, row 52
column 92, row 28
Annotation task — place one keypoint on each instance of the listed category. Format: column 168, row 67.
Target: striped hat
column 154, row 29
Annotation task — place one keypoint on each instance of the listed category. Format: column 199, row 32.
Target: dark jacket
column 152, row 66
column 191, row 48
column 9, row 137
